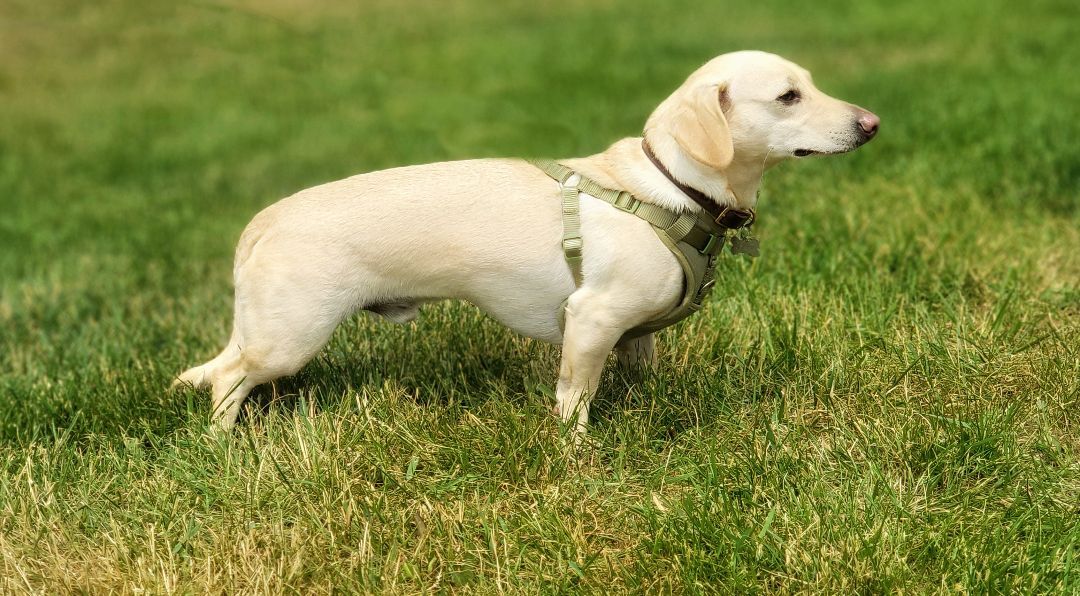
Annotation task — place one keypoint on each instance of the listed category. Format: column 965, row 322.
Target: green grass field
column 887, row 400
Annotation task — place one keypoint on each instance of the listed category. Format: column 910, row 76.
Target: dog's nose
column 868, row 124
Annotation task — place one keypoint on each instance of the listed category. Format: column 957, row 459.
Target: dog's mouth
column 809, row 152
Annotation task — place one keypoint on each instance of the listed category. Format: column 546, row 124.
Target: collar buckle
column 734, row 219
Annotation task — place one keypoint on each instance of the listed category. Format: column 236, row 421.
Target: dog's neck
column 735, row 186
column 744, row 179
column 625, row 166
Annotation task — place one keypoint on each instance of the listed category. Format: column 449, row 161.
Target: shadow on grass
column 456, row 358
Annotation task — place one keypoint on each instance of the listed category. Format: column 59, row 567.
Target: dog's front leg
column 640, row 351
column 589, row 335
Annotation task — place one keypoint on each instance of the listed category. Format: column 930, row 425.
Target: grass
column 887, row 400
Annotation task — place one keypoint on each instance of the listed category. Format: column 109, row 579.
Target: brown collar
column 725, row 217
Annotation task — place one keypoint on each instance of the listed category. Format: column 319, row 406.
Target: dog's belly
column 536, row 315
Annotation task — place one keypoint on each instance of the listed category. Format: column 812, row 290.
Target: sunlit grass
column 886, row 400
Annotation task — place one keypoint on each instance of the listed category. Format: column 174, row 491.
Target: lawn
column 887, row 400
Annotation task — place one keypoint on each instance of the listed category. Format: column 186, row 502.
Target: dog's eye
column 791, row 96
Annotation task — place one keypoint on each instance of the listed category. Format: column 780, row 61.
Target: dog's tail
column 201, row 377
column 196, row 377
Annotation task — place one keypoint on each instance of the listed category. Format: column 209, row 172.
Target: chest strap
column 679, row 227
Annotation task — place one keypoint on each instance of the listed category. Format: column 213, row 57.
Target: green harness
column 694, row 238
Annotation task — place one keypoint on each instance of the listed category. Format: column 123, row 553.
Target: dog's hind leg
column 231, row 387
column 283, row 318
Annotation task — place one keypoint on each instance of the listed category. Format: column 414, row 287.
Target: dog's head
column 756, row 106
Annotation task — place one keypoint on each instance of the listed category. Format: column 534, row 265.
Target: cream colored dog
column 488, row 231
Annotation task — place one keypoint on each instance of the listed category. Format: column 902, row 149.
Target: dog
column 487, row 231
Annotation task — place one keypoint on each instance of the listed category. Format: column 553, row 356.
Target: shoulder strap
column 677, row 226
column 572, row 243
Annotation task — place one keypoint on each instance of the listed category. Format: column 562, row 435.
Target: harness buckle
column 572, row 249
column 711, row 244
column 629, row 206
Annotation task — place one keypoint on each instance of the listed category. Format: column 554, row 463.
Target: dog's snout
column 867, row 123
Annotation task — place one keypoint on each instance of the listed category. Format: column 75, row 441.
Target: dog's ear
column 699, row 126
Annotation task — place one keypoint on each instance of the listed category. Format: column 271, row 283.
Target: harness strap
column 677, row 226
column 695, row 239
column 571, row 238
